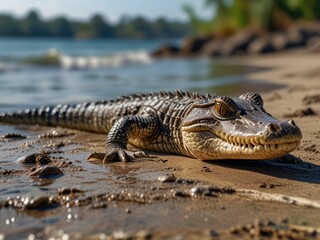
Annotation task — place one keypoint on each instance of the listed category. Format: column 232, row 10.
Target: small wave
column 54, row 58
column 116, row 60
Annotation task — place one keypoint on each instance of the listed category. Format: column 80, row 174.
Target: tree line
column 229, row 16
column 32, row 25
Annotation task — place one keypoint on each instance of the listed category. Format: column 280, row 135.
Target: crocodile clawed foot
column 116, row 152
column 123, row 155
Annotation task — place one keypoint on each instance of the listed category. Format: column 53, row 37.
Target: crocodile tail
column 78, row 116
column 44, row 115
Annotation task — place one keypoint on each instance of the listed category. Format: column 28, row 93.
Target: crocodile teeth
column 246, row 151
column 259, row 148
column 223, row 135
column 267, row 148
column 262, row 141
column 253, row 141
column 250, row 145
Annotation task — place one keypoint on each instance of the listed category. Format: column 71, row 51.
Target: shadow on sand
column 289, row 167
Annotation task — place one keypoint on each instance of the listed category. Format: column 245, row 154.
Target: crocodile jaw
column 208, row 146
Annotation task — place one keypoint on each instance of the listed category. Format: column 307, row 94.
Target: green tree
column 141, row 28
column 161, row 28
column 97, row 27
column 231, row 15
column 100, row 28
column 136, row 27
column 32, row 25
column 60, row 27
column 9, row 26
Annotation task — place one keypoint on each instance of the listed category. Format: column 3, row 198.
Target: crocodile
column 206, row 127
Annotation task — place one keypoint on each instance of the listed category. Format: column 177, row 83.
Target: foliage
column 100, row 28
column 97, row 27
column 229, row 16
column 33, row 26
column 60, row 27
column 9, row 26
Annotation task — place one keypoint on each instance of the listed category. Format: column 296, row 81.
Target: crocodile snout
column 286, row 131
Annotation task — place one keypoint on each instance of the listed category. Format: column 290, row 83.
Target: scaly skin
column 198, row 126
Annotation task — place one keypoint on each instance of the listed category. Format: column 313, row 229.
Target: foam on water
column 116, row 60
column 66, row 61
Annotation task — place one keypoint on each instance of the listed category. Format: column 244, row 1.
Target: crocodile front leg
column 125, row 128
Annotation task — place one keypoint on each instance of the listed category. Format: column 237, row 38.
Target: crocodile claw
column 123, row 155
column 115, row 152
column 96, row 157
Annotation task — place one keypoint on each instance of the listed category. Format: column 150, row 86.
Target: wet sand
column 170, row 196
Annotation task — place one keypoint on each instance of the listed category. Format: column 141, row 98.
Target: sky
column 111, row 9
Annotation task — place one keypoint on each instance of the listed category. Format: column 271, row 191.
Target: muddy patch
column 54, row 192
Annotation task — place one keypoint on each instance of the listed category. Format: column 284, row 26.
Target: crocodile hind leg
column 125, row 128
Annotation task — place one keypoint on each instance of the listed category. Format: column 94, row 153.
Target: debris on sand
column 41, row 203
column 56, row 133
column 12, row 136
column 35, row 158
column 302, row 113
column 46, row 172
column 272, row 230
column 311, row 99
column 69, row 191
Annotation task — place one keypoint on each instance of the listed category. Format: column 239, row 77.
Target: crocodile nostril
column 273, row 127
column 291, row 122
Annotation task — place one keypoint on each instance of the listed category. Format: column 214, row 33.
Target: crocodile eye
column 224, row 108
column 222, row 111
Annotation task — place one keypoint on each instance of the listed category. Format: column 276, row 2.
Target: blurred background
column 66, row 51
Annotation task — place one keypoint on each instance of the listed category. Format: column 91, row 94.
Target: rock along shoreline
column 245, row 42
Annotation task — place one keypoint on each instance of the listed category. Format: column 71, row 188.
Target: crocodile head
column 237, row 128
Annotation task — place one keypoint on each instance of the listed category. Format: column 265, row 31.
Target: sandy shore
column 269, row 194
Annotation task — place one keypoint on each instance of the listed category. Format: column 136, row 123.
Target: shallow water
column 46, row 71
